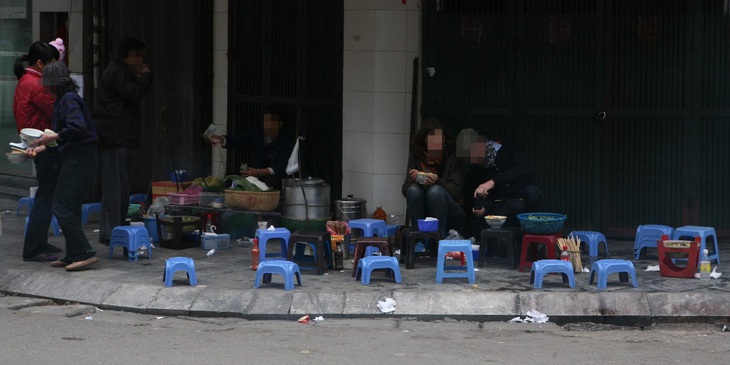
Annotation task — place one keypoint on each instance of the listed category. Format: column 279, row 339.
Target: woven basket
column 263, row 201
column 541, row 223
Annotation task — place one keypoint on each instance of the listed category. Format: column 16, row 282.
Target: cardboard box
column 162, row 188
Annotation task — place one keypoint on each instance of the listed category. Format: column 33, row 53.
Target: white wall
column 381, row 39
column 220, row 80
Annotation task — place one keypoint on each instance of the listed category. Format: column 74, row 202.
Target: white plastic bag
column 158, row 206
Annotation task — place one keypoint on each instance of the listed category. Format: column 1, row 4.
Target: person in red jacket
column 33, row 108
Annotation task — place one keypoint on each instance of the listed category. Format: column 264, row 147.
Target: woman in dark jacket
column 76, row 139
column 439, row 195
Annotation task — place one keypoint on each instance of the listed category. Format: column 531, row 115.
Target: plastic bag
column 453, row 235
column 158, row 206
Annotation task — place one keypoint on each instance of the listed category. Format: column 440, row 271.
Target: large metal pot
column 317, row 202
column 350, row 208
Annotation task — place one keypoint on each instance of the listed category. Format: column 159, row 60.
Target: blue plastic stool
column 371, row 251
column 264, row 235
column 367, row 264
column 446, row 246
column 138, row 199
column 175, row 264
column 370, row 227
column 647, row 235
column 287, row 269
column 606, row 267
column 541, row 268
column 54, row 224
column 131, row 238
column 592, row 239
column 704, row 233
column 25, row 202
column 87, row 209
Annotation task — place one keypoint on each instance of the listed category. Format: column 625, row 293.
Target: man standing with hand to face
column 118, row 119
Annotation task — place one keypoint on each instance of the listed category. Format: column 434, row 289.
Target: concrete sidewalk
column 225, row 288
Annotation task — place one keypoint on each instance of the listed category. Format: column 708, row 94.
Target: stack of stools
column 647, row 235
column 87, row 209
column 704, row 233
column 528, row 244
column 314, row 239
column 549, row 266
column 501, row 235
column 131, row 238
column 411, row 236
column 367, row 264
column 369, row 227
column 287, row 269
column 446, row 246
column 175, row 264
column 264, row 235
column 606, row 267
column 592, row 239
column 363, row 243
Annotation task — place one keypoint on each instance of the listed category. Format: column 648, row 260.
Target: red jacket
column 32, row 105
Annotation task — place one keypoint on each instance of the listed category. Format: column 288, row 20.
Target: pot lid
column 309, row 181
column 350, row 199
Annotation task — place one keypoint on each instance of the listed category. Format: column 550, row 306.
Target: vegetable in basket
column 241, row 183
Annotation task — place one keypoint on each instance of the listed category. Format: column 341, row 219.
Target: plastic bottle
column 705, row 266
column 565, row 255
column 255, row 255
column 339, row 265
column 209, row 224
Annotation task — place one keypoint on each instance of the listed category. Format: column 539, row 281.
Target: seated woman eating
column 437, row 195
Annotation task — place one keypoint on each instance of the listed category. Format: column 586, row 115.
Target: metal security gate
column 622, row 104
column 290, row 52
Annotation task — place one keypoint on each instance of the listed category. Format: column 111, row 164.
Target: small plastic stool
column 549, row 240
column 592, row 239
column 606, row 267
column 667, row 265
column 287, row 269
column 548, row 266
column 87, row 209
column 704, row 233
column 647, row 235
column 175, row 264
column 363, row 243
column 54, row 224
column 367, row 264
column 410, row 237
column 500, row 235
column 446, row 246
column 25, row 202
column 138, row 199
column 264, row 235
column 314, row 239
column 370, row 227
column 372, row 251
column 131, row 238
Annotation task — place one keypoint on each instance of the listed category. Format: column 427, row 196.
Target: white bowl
column 495, row 221
column 422, row 176
column 16, row 158
column 30, row 135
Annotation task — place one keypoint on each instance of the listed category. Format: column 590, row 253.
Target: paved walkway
column 225, row 287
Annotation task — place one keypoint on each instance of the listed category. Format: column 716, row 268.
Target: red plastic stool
column 550, row 240
column 667, row 267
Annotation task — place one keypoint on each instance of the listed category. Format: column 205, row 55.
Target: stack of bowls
column 30, row 135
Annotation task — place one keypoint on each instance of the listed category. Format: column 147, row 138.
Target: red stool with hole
column 529, row 243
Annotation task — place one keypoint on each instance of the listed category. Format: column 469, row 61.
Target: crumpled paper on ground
column 652, row 268
column 533, row 316
column 387, row 306
column 714, row 274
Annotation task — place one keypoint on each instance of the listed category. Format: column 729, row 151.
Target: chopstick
column 17, row 149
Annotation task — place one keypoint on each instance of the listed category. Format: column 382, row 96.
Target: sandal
column 61, row 263
column 41, row 257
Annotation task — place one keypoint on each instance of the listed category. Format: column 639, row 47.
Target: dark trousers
column 77, row 175
column 509, row 204
column 48, row 166
column 115, row 166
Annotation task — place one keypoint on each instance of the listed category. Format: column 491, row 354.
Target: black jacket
column 118, row 114
column 511, row 172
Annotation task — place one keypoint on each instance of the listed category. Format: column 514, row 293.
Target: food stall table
column 237, row 223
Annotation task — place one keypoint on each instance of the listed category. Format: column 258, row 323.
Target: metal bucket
column 350, row 208
column 317, row 202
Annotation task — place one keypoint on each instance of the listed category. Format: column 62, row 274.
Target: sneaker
column 41, row 257
column 80, row 264
column 51, row 248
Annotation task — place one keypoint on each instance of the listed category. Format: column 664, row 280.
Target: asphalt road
column 40, row 332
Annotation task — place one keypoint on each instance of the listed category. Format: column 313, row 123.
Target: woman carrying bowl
column 33, row 108
column 433, row 183
column 76, row 138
